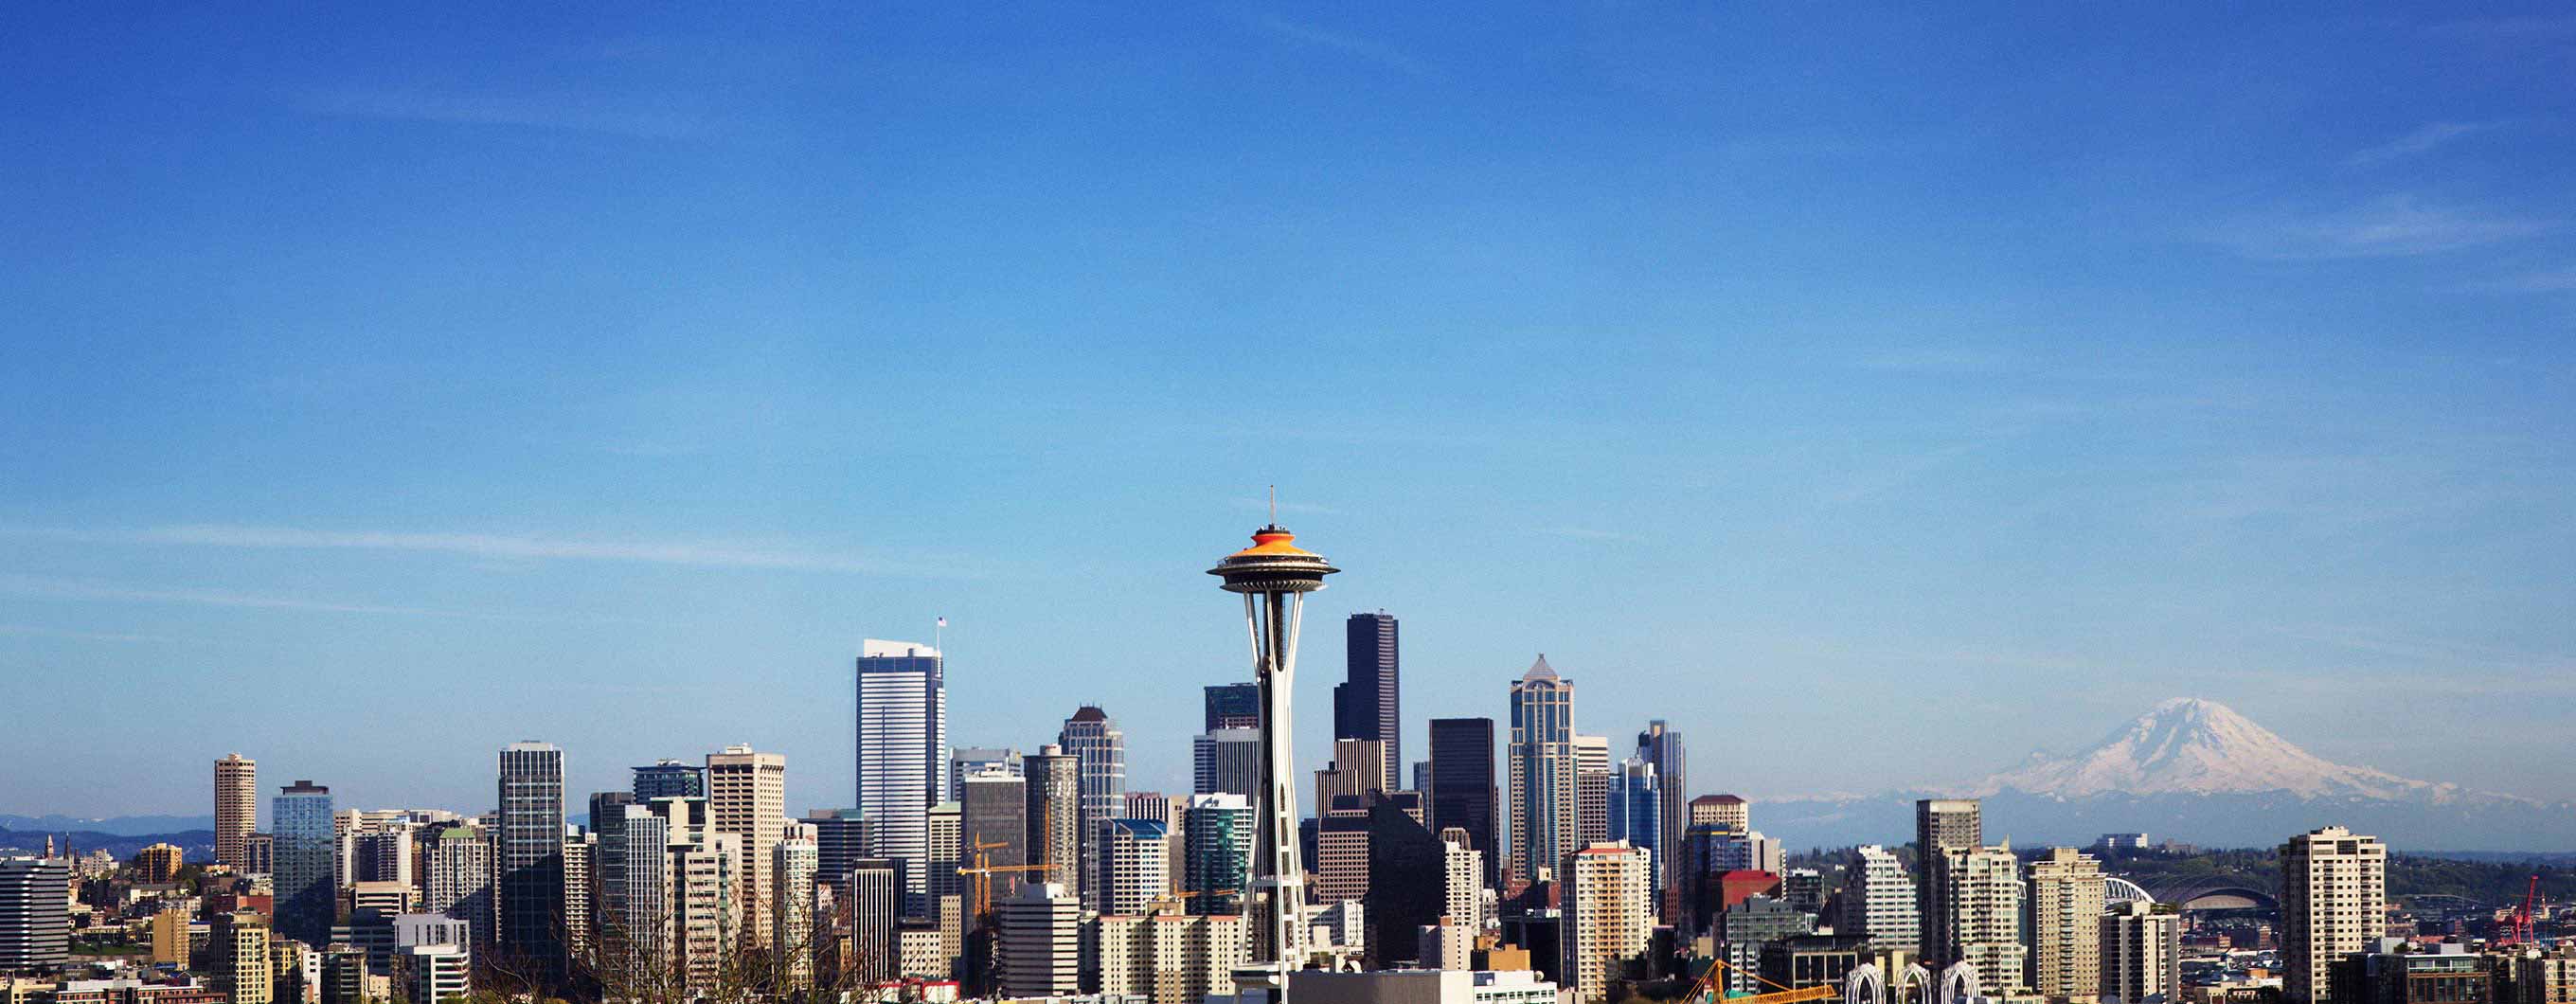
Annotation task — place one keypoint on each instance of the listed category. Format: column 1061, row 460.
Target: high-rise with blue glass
column 1545, row 818
column 306, row 878
column 902, row 756
column 528, row 857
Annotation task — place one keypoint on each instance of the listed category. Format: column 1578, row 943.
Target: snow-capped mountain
column 2196, row 771
column 2199, row 747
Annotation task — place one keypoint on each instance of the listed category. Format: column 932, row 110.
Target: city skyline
column 2121, row 366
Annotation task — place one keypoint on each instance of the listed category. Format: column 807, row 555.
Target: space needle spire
column 1274, row 575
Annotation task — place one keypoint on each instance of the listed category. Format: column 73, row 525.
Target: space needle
column 1274, row 575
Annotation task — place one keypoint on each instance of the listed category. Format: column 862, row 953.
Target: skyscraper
column 2141, row 953
column 1136, row 866
column 1226, row 760
column 306, row 882
column 1040, row 944
column 1981, row 896
column 1878, row 901
column 1408, row 871
column 669, row 779
column 1662, row 746
column 968, row 761
column 608, row 861
column 1942, row 825
column 1637, row 814
column 1540, row 769
column 1054, row 789
column 236, row 808
column 35, row 912
column 902, row 751
column 1462, row 784
column 1233, row 706
column 528, row 856
column 794, row 858
column 747, row 797
column 2063, row 917
column 1100, row 750
column 1609, row 919
column 1365, row 703
column 994, row 831
column 1273, row 576
column 1217, row 830
column 1591, row 790
column 2334, row 900
column 460, row 879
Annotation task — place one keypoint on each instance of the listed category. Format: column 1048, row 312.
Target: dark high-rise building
column 1462, row 784
column 669, row 779
column 1941, row 825
column 1365, row 704
column 1054, row 779
column 994, row 816
column 307, row 869
column 1233, row 706
column 1663, row 747
column 1407, row 884
column 528, row 857
column 608, row 859
column 840, row 840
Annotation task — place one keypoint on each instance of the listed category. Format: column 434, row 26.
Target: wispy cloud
column 2544, row 281
column 44, row 587
column 1588, row 533
column 2423, row 140
column 33, row 631
column 2396, row 226
column 489, row 546
column 1945, row 360
column 565, row 112
column 1368, row 49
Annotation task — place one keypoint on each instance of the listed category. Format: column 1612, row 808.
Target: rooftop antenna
column 939, row 641
column 1274, row 505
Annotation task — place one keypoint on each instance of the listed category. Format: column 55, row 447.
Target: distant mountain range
column 124, row 826
column 2194, row 771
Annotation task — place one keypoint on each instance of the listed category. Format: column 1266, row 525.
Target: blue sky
column 1878, row 394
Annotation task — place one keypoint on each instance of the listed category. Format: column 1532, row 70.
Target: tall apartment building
column 1170, row 958
column 236, row 808
column 35, row 912
column 528, row 858
column 1053, row 783
column 460, row 879
column 306, row 883
column 706, row 906
column 1462, row 881
column 1661, row 746
column 2063, row 919
column 1226, row 760
column 1462, row 785
column 1038, row 946
column 1942, row 825
column 2334, row 900
column 1592, row 779
column 1365, row 704
column 237, row 950
column 1165, row 809
column 1609, row 918
column 2141, row 953
column 792, row 930
column 1100, row 749
column 640, row 940
column 902, row 753
column 1136, row 866
column 1981, row 896
column 1539, row 772
column 580, row 894
column 747, row 797
column 1878, row 901
column 1218, row 833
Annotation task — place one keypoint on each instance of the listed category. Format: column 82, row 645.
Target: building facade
column 1366, row 703
column 236, row 808
column 2334, row 901
column 306, row 880
column 2141, row 953
column 1539, row 772
column 1100, row 751
column 2063, row 918
column 1462, row 785
column 902, row 724
column 1609, row 918
column 528, row 858
column 747, row 797
column 35, row 912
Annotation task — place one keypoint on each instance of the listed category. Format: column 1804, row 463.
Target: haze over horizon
column 385, row 387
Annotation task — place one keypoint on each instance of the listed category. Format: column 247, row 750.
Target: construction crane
column 984, row 871
column 1707, row 991
column 2518, row 927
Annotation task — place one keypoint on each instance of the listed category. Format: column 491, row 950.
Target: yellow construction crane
column 984, row 871
column 1706, row 990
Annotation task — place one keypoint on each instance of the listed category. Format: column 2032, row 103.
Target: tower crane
column 1706, row 991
